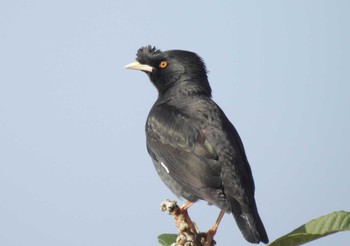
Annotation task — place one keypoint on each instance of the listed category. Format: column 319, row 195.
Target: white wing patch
column 165, row 167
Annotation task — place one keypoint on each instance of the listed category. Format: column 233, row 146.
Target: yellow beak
column 138, row 66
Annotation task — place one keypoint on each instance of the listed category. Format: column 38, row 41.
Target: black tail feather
column 249, row 222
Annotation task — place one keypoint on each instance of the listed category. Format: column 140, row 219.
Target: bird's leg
column 183, row 211
column 212, row 231
column 186, row 205
column 187, row 231
column 180, row 214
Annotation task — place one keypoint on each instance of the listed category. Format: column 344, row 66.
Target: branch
column 188, row 233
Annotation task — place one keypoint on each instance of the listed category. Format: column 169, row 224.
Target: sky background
column 74, row 169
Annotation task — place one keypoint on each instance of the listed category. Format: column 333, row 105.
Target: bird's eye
column 163, row 64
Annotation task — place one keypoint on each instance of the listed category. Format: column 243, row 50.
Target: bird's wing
column 182, row 149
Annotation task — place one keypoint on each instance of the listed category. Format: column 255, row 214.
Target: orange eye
column 163, row 64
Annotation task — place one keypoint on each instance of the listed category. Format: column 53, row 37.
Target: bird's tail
column 249, row 222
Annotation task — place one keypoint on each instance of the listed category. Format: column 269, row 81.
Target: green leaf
column 317, row 228
column 167, row 239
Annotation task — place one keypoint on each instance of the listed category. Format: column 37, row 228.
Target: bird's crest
column 146, row 52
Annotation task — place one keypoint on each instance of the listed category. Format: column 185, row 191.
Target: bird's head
column 173, row 68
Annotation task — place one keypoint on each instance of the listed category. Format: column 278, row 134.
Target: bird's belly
column 171, row 183
column 212, row 196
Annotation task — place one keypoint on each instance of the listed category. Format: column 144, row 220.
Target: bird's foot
column 187, row 230
column 184, row 212
column 212, row 231
column 188, row 233
column 209, row 238
column 181, row 217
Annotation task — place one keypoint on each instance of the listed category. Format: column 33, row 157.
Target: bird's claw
column 188, row 233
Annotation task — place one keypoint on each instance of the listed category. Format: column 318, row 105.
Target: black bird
column 195, row 149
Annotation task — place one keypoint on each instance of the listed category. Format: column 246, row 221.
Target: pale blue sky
column 73, row 164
